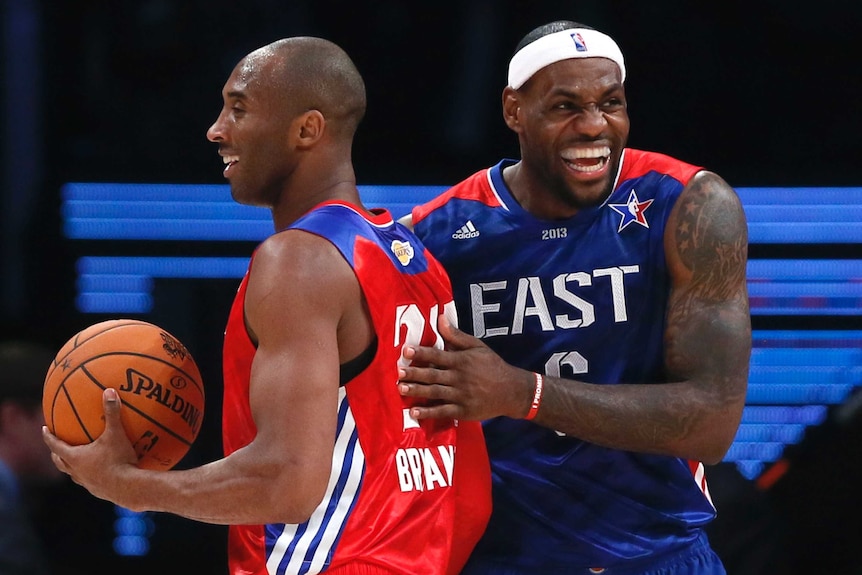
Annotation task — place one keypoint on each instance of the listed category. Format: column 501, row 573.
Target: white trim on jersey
column 616, row 178
column 364, row 216
column 494, row 190
column 700, row 479
column 308, row 547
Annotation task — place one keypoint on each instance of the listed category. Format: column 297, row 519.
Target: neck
column 533, row 196
column 339, row 184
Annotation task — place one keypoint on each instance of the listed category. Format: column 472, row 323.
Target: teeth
column 230, row 159
column 587, row 169
column 586, row 153
column 600, row 153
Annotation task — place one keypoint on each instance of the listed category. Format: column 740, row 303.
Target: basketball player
column 605, row 287
column 325, row 470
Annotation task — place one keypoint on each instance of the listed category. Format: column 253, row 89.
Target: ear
column 310, row 127
column 512, row 108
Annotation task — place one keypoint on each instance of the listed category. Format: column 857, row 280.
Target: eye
column 614, row 104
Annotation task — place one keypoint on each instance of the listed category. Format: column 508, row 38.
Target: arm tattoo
column 712, row 241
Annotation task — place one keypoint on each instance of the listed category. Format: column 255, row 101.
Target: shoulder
column 475, row 187
column 706, row 186
column 298, row 274
column 707, row 230
column 637, row 163
column 709, row 203
column 297, row 254
column 695, row 185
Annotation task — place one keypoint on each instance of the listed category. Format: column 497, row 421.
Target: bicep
column 708, row 335
column 294, row 375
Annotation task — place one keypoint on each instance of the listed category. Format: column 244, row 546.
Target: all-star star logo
column 632, row 211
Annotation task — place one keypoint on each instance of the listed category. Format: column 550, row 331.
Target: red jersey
column 404, row 496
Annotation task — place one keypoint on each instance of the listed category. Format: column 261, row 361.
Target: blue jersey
column 583, row 298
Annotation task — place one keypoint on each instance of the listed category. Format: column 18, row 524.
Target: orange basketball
column 158, row 382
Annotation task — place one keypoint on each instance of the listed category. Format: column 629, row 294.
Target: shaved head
column 289, row 113
column 310, row 73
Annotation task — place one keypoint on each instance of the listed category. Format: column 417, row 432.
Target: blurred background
column 765, row 93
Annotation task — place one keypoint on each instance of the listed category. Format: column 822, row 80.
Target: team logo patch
column 580, row 45
column 632, row 211
column 403, row 251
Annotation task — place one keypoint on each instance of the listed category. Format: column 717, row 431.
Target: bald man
column 325, row 471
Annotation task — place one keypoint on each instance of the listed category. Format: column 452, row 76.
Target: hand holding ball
column 157, row 380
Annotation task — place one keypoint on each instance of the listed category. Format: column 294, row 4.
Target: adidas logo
column 467, row 231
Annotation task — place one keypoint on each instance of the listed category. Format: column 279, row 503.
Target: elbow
column 274, row 485
column 708, row 452
column 294, row 502
column 714, row 458
column 716, row 443
column 720, row 424
column 299, row 511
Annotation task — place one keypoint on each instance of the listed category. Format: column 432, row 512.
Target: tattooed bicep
column 708, row 238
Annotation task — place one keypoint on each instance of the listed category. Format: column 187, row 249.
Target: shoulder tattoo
column 712, row 238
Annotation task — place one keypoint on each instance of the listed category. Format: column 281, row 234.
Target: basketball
column 157, row 380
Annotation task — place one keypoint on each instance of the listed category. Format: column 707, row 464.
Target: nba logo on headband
column 570, row 43
column 580, row 45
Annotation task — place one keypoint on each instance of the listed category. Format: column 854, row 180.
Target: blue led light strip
column 192, row 212
column 207, row 212
column 119, row 284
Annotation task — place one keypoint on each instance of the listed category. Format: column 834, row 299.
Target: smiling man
column 605, row 290
column 324, row 469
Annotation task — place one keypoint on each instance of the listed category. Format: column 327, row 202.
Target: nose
column 215, row 133
column 591, row 120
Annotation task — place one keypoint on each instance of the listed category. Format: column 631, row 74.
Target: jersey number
column 571, row 359
column 410, row 320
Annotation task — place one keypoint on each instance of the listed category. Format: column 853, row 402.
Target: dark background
column 766, row 93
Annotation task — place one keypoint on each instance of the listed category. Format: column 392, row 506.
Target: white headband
column 562, row 45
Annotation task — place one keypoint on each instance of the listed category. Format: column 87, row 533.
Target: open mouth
column 587, row 160
column 229, row 161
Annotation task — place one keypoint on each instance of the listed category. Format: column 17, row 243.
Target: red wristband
column 537, row 397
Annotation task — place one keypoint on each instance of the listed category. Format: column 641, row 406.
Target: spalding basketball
column 157, row 380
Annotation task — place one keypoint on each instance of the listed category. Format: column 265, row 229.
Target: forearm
column 696, row 416
column 693, row 417
column 232, row 491
column 662, row 418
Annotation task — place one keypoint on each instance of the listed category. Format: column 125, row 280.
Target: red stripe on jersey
column 476, row 187
column 636, row 163
column 698, row 472
column 377, row 216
